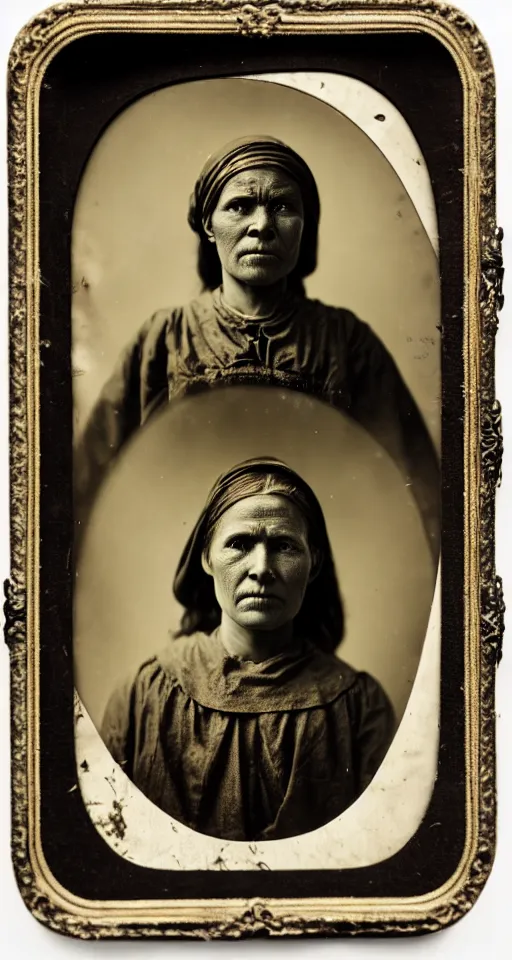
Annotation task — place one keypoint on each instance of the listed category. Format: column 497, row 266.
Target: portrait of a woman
column 246, row 725
column 256, row 210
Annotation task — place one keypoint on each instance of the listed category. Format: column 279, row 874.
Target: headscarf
column 320, row 619
column 246, row 153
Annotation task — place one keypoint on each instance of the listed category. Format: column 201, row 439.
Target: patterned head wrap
column 320, row 619
column 246, row 153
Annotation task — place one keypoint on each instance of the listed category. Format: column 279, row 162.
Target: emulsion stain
column 115, row 825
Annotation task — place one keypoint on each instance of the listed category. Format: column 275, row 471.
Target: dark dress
column 248, row 751
column 305, row 345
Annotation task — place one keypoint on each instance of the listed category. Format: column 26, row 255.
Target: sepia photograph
column 246, row 645
column 253, row 612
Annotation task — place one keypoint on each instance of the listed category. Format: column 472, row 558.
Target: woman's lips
column 259, row 599
column 259, row 254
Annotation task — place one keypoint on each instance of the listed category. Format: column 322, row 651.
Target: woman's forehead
column 271, row 508
column 257, row 178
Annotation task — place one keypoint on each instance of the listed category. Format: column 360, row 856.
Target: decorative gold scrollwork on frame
column 259, row 20
column 493, row 620
column 493, row 272
column 492, row 444
column 14, row 614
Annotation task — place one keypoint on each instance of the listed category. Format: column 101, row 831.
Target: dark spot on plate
column 114, row 825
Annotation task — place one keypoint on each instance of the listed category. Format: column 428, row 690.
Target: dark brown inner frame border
column 85, row 86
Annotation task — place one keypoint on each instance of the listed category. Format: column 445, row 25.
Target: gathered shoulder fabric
column 305, row 345
column 248, row 751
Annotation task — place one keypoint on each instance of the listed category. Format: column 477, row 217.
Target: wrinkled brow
column 249, row 188
column 258, row 528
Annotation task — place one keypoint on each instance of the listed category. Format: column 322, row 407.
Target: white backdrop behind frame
column 383, row 266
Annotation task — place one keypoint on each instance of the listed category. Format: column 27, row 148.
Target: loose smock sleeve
column 373, row 725
column 383, row 404
column 118, row 726
column 123, row 405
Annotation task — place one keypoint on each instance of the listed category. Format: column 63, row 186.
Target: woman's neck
column 251, row 301
column 254, row 645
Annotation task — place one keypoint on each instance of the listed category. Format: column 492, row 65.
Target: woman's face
column 260, row 562
column 257, row 226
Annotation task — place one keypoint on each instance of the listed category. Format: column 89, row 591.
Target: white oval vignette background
column 487, row 926
column 382, row 123
column 386, row 619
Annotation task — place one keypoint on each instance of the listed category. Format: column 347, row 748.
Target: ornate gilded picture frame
column 253, row 614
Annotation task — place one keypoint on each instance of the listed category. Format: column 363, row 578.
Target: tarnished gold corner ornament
column 254, row 918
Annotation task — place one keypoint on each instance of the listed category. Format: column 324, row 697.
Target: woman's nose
column 262, row 221
column 260, row 566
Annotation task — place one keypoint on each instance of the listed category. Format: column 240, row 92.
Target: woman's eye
column 239, row 206
column 239, row 543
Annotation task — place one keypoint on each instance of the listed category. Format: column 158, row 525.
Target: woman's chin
column 259, row 620
column 260, row 277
